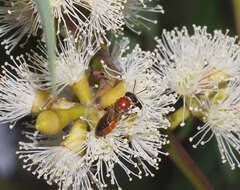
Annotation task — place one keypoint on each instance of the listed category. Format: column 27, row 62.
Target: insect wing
column 106, row 123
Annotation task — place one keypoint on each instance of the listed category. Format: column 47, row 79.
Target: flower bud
column 48, row 123
column 76, row 136
column 111, row 96
column 82, row 90
column 52, row 122
column 40, row 101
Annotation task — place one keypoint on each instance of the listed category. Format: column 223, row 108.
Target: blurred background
column 215, row 14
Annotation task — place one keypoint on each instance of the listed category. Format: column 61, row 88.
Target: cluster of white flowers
column 134, row 144
column 203, row 69
column 221, row 115
column 17, row 16
column 109, row 112
column 77, row 157
column 18, row 88
column 79, row 17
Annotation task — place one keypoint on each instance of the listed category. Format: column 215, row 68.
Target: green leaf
column 47, row 20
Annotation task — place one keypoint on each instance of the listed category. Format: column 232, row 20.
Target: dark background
column 215, row 14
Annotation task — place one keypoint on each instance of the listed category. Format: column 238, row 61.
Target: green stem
column 47, row 20
column 187, row 166
column 236, row 7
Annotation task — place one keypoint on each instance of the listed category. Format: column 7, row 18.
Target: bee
column 122, row 106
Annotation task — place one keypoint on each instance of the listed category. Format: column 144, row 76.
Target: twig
column 187, row 166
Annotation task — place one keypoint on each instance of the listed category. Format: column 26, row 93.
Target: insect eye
column 132, row 97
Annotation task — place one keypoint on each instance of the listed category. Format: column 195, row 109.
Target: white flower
column 112, row 15
column 18, row 18
column 87, row 17
column 146, row 142
column 133, row 17
column 18, row 87
column 221, row 115
column 46, row 158
column 21, row 18
column 77, row 164
column 71, row 62
column 105, row 15
column 107, row 152
column 69, row 13
column 194, row 64
column 135, row 70
column 133, row 145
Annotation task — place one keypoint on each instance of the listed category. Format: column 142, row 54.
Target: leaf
column 47, row 20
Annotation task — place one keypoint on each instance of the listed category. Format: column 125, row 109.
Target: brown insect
column 108, row 122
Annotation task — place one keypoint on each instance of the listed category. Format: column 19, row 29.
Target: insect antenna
column 134, row 86
column 141, row 91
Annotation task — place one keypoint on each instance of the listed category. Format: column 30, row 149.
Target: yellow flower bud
column 68, row 115
column 51, row 122
column 82, row 90
column 61, row 103
column 108, row 86
column 93, row 119
column 40, row 102
column 112, row 95
column 76, row 136
column 48, row 123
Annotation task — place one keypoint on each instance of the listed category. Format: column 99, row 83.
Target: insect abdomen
column 106, row 124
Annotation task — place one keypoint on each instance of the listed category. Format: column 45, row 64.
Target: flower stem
column 47, row 20
column 236, row 6
column 187, row 166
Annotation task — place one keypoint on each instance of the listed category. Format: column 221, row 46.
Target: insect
column 122, row 106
